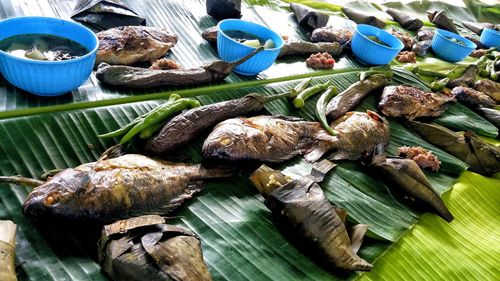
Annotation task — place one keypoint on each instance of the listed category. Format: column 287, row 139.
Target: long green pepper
column 321, row 108
column 299, row 101
column 300, row 87
column 157, row 116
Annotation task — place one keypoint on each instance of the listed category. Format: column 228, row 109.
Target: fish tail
column 216, row 172
column 315, row 154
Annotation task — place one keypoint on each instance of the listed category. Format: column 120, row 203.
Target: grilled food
column 130, row 44
column 121, row 187
column 411, row 103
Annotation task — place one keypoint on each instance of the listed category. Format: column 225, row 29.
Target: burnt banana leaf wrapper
column 482, row 157
column 361, row 17
column 309, row 18
column 304, row 215
column 105, row 14
column 405, row 20
column 145, row 248
column 224, row 9
column 405, row 178
column 440, row 19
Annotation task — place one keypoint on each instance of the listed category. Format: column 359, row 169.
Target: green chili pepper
column 321, row 108
column 160, row 114
column 299, row 101
column 439, row 84
column 300, row 88
column 456, row 72
column 150, row 131
column 365, row 74
column 428, row 72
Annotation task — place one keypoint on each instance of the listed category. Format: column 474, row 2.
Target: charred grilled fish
column 489, row 87
column 130, row 44
column 304, row 215
column 353, row 95
column 121, row 187
column 358, row 134
column 472, row 97
column 267, row 138
column 411, row 102
column 467, row 77
column 482, row 157
column 330, row 34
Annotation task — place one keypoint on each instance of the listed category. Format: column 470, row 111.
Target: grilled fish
column 121, row 187
column 472, row 97
column 489, row 87
column 411, row 102
column 358, row 134
column 267, row 138
column 130, row 44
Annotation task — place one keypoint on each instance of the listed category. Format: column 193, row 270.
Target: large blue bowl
column 448, row 50
column 47, row 78
column 490, row 38
column 232, row 50
column 371, row 52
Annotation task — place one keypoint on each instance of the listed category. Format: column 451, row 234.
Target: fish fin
column 320, row 169
column 191, row 190
column 288, row 118
column 221, row 171
column 315, row 154
column 112, row 152
column 341, row 212
column 123, row 226
column 356, row 234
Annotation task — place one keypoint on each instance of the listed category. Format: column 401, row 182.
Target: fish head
column 61, row 196
column 233, row 139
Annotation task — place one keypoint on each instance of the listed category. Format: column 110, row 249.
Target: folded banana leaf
column 145, row 248
column 309, row 18
column 224, row 9
column 360, row 17
column 440, row 19
column 477, row 27
column 405, row 20
column 105, row 14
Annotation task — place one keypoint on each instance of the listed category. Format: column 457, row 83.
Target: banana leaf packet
column 105, row 14
column 309, row 18
column 145, row 248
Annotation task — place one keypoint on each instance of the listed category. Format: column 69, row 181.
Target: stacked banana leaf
column 238, row 238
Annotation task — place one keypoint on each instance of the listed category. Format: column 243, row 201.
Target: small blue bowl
column 371, row 52
column 448, row 50
column 47, row 78
column 232, row 50
column 490, row 38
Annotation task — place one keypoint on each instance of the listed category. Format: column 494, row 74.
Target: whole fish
column 482, row 157
column 121, row 187
column 267, row 138
column 404, row 177
column 489, row 87
column 467, row 77
column 331, row 34
column 411, row 102
column 303, row 214
column 130, row 44
column 353, row 95
column 358, row 134
column 472, row 97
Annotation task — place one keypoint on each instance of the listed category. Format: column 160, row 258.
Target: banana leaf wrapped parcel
column 145, row 248
column 105, row 14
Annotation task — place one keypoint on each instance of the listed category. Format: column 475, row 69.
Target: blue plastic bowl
column 47, row 78
column 490, row 38
column 232, row 50
column 449, row 50
column 371, row 52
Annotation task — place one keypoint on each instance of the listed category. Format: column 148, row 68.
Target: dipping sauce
column 453, row 39
column 249, row 39
column 42, row 47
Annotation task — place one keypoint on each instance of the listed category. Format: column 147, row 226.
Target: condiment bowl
column 490, row 38
column 371, row 52
column 47, row 78
column 231, row 50
column 449, row 50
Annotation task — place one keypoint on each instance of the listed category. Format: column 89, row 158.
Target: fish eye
column 226, row 141
column 51, row 199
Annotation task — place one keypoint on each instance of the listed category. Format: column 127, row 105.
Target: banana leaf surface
column 238, row 237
